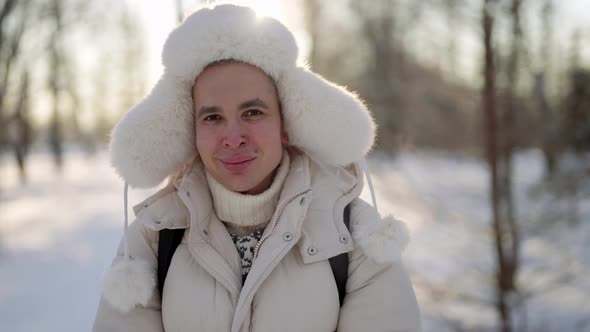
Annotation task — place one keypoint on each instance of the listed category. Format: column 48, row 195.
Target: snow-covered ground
column 58, row 234
column 444, row 200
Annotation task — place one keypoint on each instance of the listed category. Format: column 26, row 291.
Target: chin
column 239, row 185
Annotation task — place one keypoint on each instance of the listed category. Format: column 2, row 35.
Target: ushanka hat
column 153, row 140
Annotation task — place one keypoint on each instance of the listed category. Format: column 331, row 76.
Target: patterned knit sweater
column 245, row 245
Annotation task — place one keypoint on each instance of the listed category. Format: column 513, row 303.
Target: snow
column 444, row 200
column 59, row 233
column 57, row 236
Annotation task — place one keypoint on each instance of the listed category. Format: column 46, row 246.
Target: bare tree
column 132, row 71
column 102, row 122
column 10, row 42
column 505, row 245
column 21, row 128
column 507, row 141
column 385, row 67
column 6, row 56
column 50, row 14
column 63, row 19
column 55, row 81
column 15, row 122
column 549, row 121
column 45, row 35
column 509, row 233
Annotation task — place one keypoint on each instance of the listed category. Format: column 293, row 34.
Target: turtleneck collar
column 242, row 213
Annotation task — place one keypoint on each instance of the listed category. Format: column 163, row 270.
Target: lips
column 237, row 164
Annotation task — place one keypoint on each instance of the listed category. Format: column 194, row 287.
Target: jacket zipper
column 275, row 218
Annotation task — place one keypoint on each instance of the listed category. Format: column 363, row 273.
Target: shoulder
column 382, row 239
column 131, row 281
column 164, row 209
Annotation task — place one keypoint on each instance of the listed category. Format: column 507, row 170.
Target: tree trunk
column 489, row 108
column 55, row 77
column 550, row 139
column 508, row 122
column 22, row 123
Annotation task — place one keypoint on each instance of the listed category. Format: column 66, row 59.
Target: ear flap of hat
column 156, row 136
column 327, row 121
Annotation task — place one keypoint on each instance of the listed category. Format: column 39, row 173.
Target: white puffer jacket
column 291, row 286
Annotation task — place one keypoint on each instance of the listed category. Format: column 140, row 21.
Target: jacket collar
column 164, row 209
column 323, row 233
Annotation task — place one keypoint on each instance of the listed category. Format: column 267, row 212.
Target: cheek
column 267, row 141
column 270, row 133
column 205, row 141
column 273, row 132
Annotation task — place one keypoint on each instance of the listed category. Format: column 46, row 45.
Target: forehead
column 232, row 81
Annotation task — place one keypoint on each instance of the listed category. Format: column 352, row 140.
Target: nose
column 235, row 137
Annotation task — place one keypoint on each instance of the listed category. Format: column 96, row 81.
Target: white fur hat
column 156, row 136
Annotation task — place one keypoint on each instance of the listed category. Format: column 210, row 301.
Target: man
column 274, row 156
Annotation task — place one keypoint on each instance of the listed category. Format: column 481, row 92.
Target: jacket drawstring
column 128, row 283
column 366, row 171
column 125, row 243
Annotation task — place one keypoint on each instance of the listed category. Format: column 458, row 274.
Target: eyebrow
column 252, row 103
column 209, row 109
column 249, row 103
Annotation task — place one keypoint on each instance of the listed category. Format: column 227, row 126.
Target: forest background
column 483, row 109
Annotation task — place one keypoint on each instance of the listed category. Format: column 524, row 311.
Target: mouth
column 236, row 165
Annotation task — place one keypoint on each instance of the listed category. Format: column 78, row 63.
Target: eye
column 212, row 118
column 253, row 112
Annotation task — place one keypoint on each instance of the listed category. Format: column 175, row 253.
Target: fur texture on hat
column 156, row 136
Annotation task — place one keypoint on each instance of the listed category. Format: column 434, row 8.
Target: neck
column 243, row 213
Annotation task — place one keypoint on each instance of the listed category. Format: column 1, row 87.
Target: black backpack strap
column 169, row 240
column 339, row 264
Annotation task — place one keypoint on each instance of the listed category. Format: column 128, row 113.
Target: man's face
column 239, row 135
